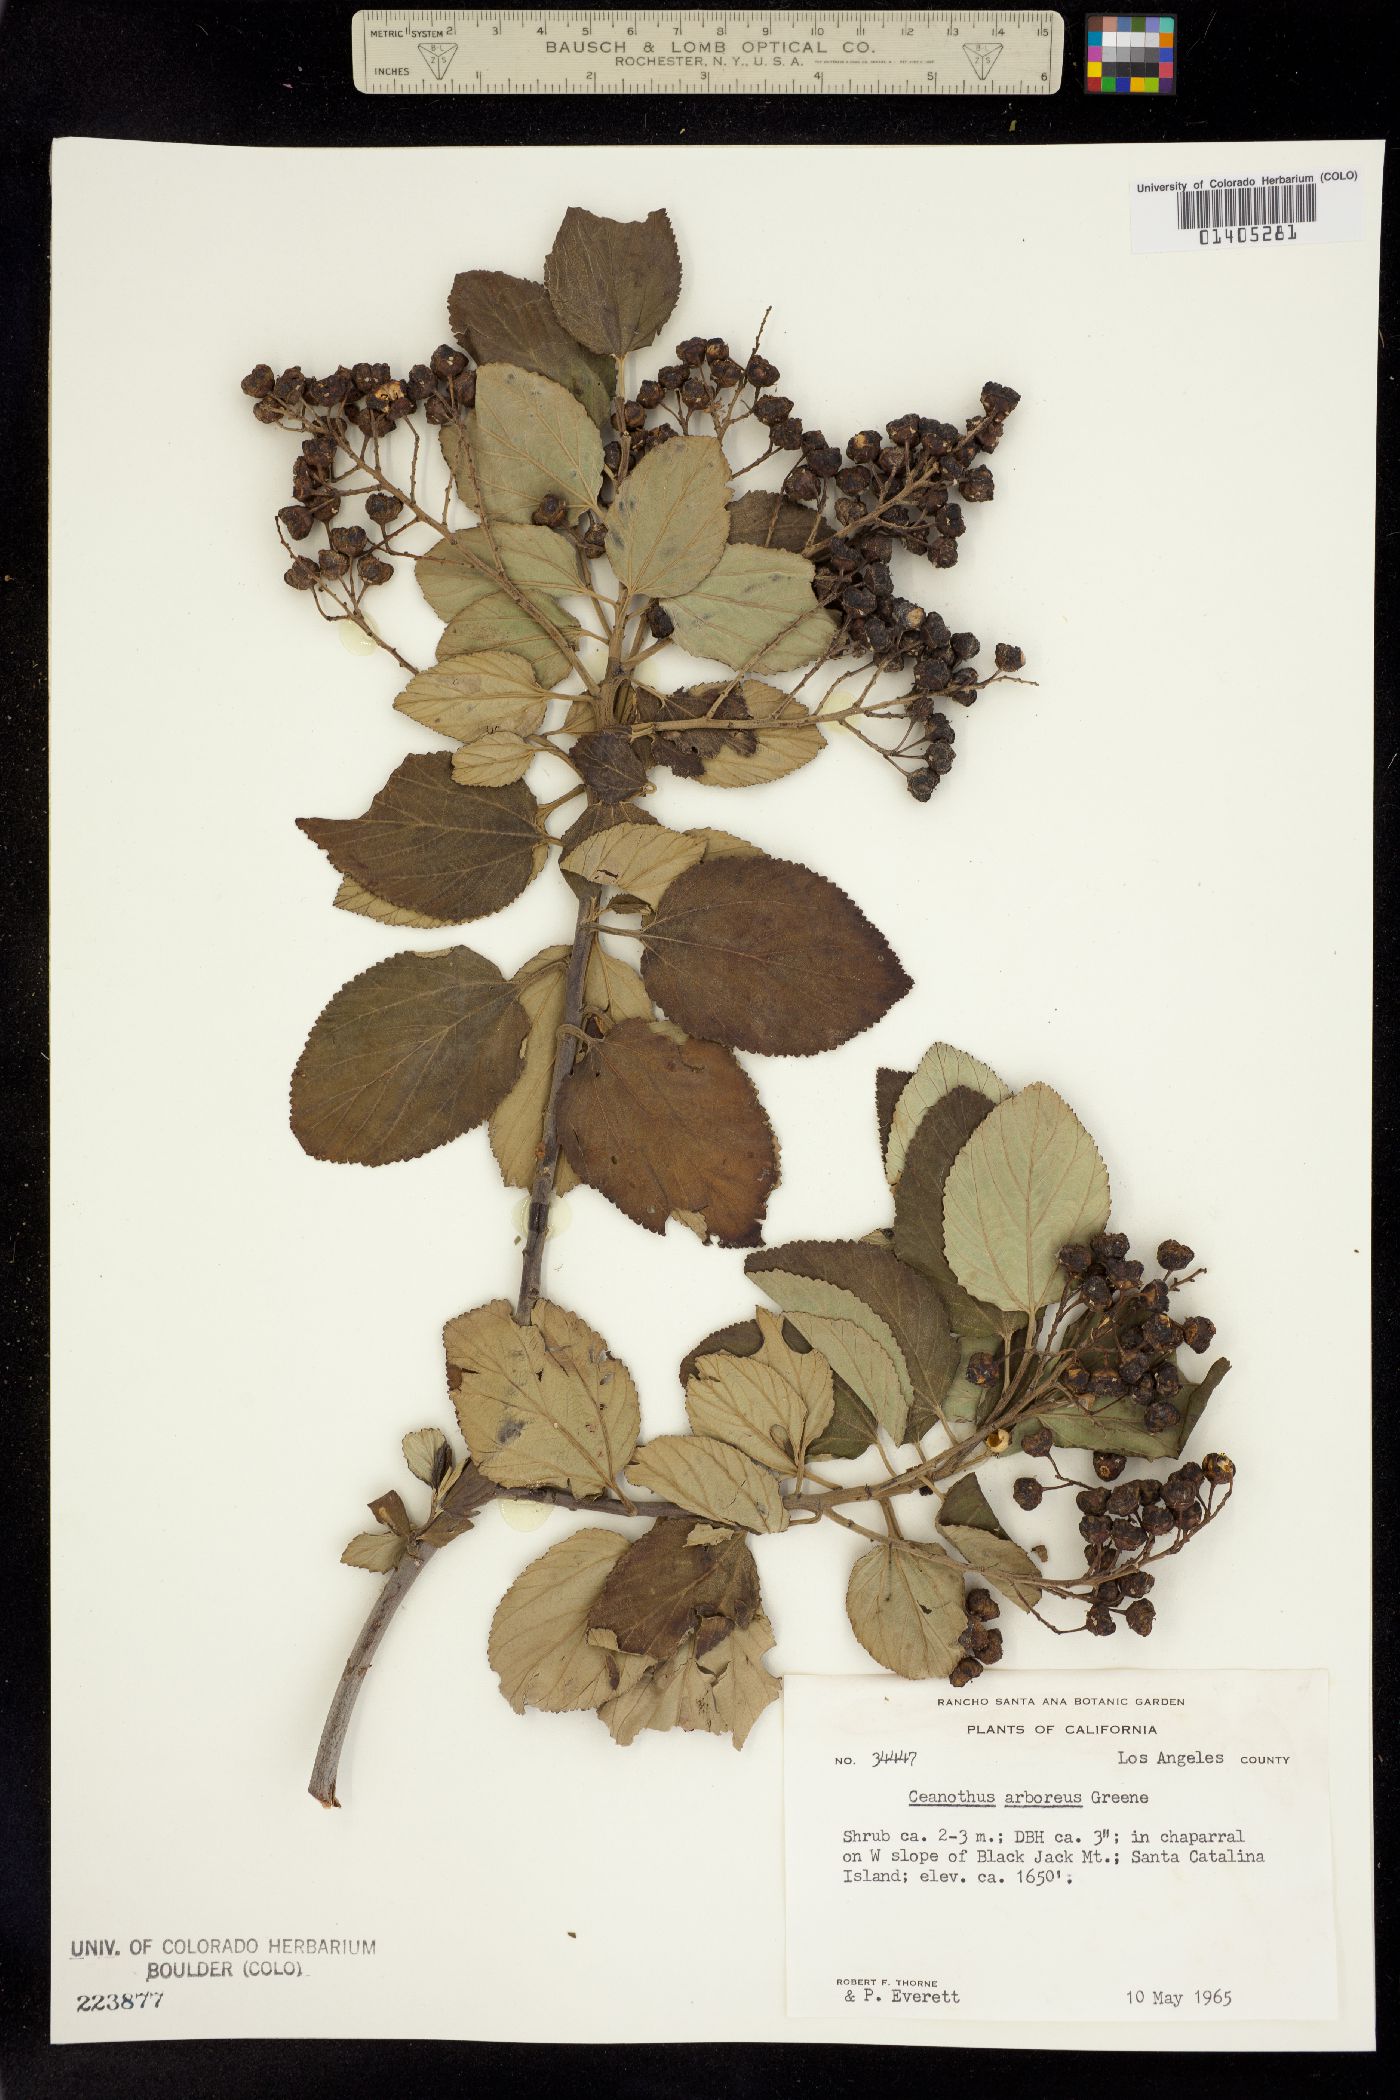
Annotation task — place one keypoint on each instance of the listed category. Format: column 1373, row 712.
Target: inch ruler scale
column 730, row 51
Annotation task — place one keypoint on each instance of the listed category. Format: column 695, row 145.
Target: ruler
column 729, row 51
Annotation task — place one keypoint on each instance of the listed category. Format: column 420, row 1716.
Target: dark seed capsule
column 940, row 756
column 1123, row 1501
column 977, row 486
column 692, row 350
column 773, row 408
column 1100, row 1620
column 999, row 400
column 670, row 377
column 373, row 570
column 651, row 393
column 332, row 564
column 1093, row 1501
column 297, row 520
column 1109, row 1593
column 382, row 507
column 1217, row 1467
column 350, row 539
column 1175, row 1254
column 1141, row 1615
column 1109, row 1464
column 964, row 1672
column 1166, row 1381
column 1109, row 1246
column 1009, row 657
column 759, row 372
column 1075, row 1260
column 1198, row 1333
column 921, row 786
column 302, row 574
column 1037, row 1443
column 981, row 1604
column 787, row 435
column 659, row 621
column 1160, row 1415
column 1027, row 1492
column 259, row 382
column 1157, row 1520
column 695, row 392
column 983, row 1368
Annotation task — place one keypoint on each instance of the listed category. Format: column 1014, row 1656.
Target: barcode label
column 1252, row 209
column 1268, row 204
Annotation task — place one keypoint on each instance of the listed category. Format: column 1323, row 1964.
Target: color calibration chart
column 1130, row 55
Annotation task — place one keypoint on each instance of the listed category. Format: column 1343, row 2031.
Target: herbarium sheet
column 841, row 1002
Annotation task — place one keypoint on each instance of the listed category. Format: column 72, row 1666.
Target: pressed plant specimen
column 582, row 532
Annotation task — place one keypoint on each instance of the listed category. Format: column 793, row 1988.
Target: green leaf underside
column 666, row 526
column 509, row 320
column 939, row 1070
column 1117, row 1425
column 532, row 439
column 970, row 1525
column 543, row 1405
column 641, row 860
column 711, row 1478
column 905, row 1604
column 765, row 955
column 851, row 1428
column 407, row 1056
column 494, row 760
column 909, row 1307
column 1028, row 1180
column 539, row 559
column 889, row 1085
column 664, row 1588
column 660, row 1124
column 754, row 611
column 430, row 844
column 459, row 580
column 856, row 1342
column 613, row 283
column 538, row 1644
column 464, row 697
column 771, row 1406
column 918, row 1203
column 777, row 752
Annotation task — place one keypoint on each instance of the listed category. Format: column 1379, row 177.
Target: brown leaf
column 510, row 320
column 666, row 524
column 542, row 1405
column 906, row 1301
column 772, row 1406
column 661, row 1123
column 609, row 765
column 599, row 816
column 970, row 1525
column 764, row 519
column 432, row 844
column 379, row 1551
column 918, row 1203
column 428, row 1455
column 463, row 1492
column 764, row 954
column 353, row 896
column 407, row 1056
column 468, row 696
column 389, row 1510
column 776, row 751
column 613, row 282
column 851, row 1429
column 640, row 860
column 663, row 1587
column 889, row 1085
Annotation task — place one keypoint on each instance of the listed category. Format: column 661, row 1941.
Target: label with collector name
column 1129, row 1845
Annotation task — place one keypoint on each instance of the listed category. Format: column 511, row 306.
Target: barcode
column 1269, row 204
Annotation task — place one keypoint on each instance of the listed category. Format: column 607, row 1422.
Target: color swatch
column 1130, row 55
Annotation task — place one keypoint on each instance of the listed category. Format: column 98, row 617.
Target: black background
column 279, row 74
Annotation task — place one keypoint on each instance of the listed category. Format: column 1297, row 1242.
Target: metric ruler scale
column 731, row 51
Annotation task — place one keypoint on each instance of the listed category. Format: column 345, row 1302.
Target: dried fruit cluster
column 596, row 534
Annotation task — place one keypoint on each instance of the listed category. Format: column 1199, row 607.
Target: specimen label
column 1302, row 204
column 1149, row 1846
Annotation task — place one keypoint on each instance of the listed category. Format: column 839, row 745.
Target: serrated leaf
column 432, row 844
column 539, row 559
column 641, row 859
column 494, row 760
column 777, row 751
column 889, row 1085
column 754, row 611
column 537, row 1644
column 660, row 1124
column 428, row 1455
column 353, row 896
column 918, row 1203
column 379, row 1551
column 509, row 320
column 599, row 816
column 909, row 1307
column 771, row 1406
column 855, row 1341
column 851, row 1429
column 1027, row 1181
column 970, row 1525
column 667, row 524
column 468, row 696
column 939, row 1070
column 463, row 1492
column 669, row 1583
column 764, row 954
column 516, row 1128
column 723, row 845
column 712, row 1479
column 722, row 1690
column 407, row 1056
column 762, row 518
column 1117, row 1425
column 542, row 1405
column 905, row 1604
column 461, row 582
column 613, row 282
column 532, row 439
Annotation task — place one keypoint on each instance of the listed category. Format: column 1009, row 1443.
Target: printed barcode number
column 1270, row 204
